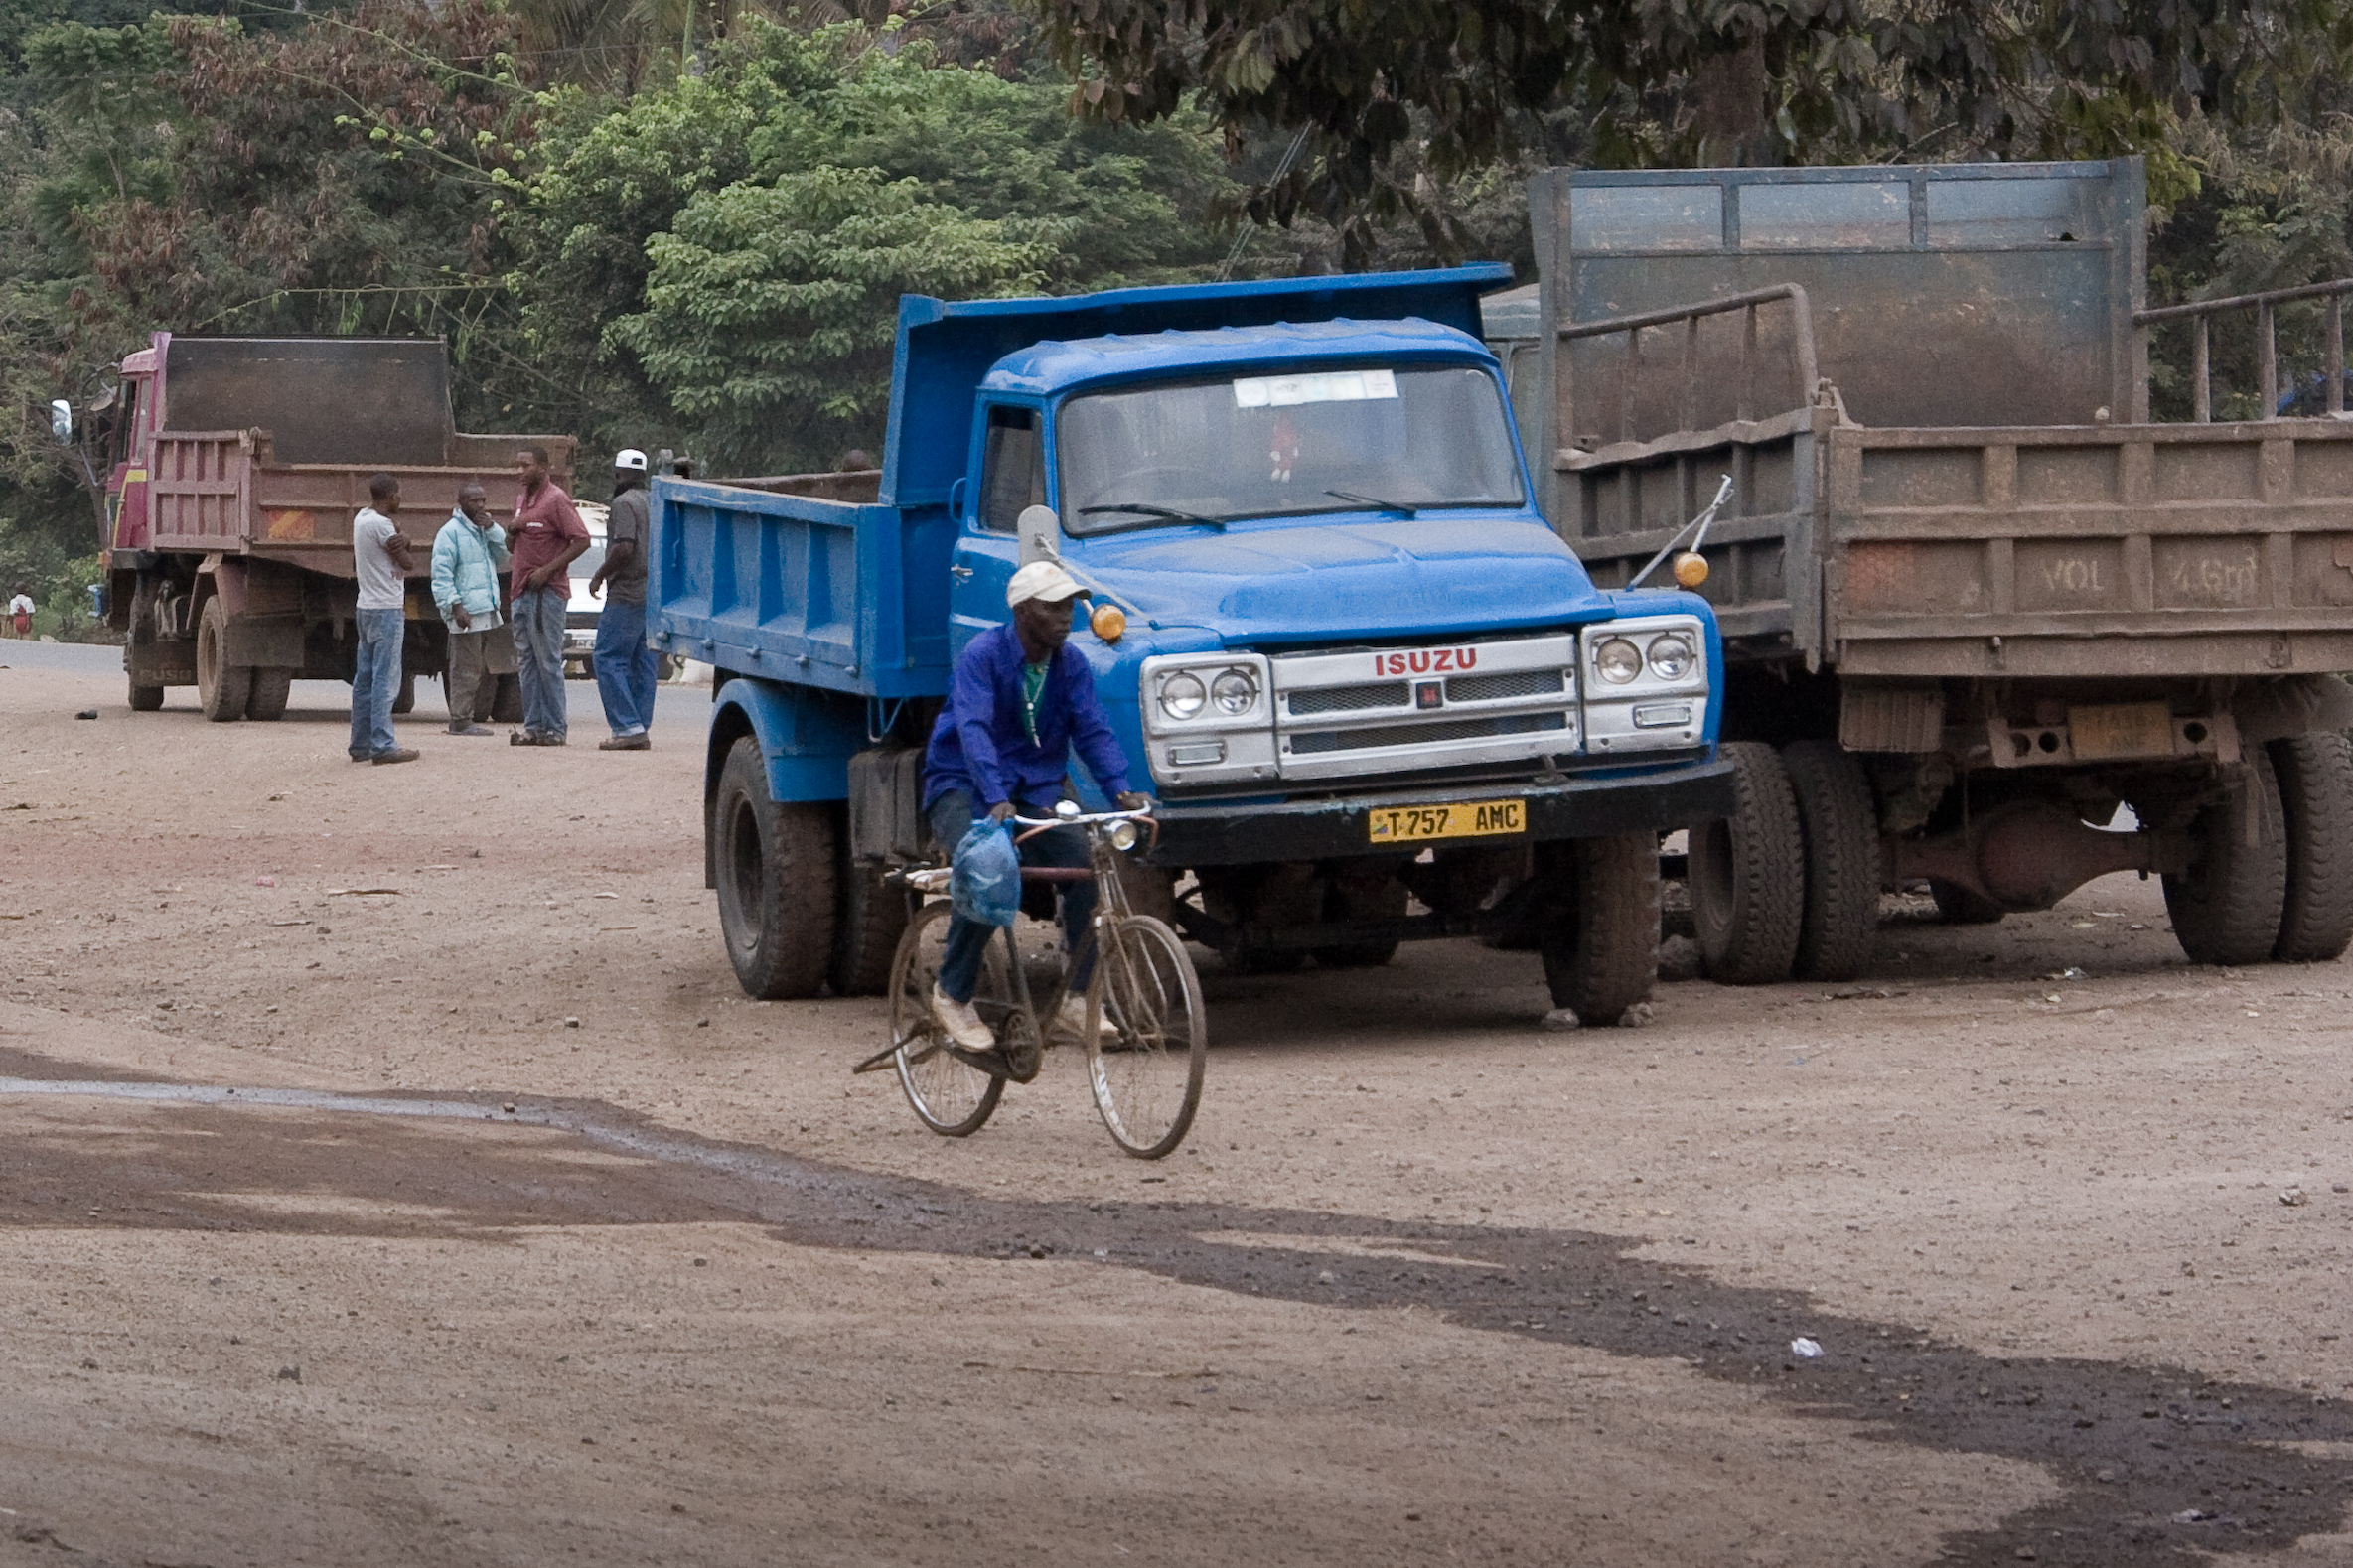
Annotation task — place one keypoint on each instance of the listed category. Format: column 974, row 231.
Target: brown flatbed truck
column 237, row 467
column 1973, row 598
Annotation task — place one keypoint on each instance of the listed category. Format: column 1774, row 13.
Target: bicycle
column 1145, row 1077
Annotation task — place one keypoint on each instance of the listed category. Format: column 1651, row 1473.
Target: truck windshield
column 1264, row 446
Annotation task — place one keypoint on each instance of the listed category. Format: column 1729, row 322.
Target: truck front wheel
column 1748, row 874
column 776, row 881
column 2316, row 774
column 223, row 689
column 2227, row 909
column 1601, row 948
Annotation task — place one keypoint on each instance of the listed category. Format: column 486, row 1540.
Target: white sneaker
column 1070, row 1020
column 961, row 1020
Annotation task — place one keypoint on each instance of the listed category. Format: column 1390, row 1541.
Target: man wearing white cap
column 624, row 663
column 1020, row 701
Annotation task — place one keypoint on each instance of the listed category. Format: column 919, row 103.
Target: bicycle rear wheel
column 1146, row 1082
column 949, row 1094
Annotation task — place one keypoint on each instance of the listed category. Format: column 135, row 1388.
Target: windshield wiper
column 1373, row 502
column 1137, row 508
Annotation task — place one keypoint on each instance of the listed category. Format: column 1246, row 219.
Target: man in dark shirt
column 547, row 537
column 1020, row 701
column 624, row 659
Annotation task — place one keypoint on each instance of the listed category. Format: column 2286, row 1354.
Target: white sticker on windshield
column 1324, row 387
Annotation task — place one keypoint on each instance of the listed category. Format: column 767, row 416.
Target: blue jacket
column 980, row 745
column 466, row 563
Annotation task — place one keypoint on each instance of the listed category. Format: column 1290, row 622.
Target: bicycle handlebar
column 1086, row 819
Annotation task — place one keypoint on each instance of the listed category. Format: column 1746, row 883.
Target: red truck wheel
column 775, row 874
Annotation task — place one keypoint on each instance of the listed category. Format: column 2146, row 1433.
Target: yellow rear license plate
column 2124, row 729
column 1411, row 824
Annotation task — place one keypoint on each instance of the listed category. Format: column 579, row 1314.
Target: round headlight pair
column 1671, row 658
column 1231, row 692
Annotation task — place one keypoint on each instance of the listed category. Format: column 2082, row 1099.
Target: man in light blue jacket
column 466, row 555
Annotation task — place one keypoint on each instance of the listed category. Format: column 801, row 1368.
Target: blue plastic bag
column 985, row 881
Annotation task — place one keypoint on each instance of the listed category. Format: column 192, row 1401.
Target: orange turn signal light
column 1108, row 622
column 1690, row 568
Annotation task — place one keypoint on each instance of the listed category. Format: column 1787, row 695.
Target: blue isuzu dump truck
column 1376, row 696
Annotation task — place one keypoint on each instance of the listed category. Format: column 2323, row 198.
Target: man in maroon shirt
column 545, row 538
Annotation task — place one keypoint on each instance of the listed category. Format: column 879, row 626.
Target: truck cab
column 1333, row 632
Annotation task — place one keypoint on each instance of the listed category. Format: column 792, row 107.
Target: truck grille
column 1344, row 699
column 1494, row 688
column 1525, row 689
column 1314, row 742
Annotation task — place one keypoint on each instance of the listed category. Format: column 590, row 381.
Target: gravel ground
column 2066, row 1215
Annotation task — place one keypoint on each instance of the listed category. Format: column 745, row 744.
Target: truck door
column 987, row 547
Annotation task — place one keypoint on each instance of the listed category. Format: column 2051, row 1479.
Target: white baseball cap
column 1042, row 580
column 631, row 458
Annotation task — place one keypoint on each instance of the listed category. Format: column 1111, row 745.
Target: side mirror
column 61, row 419
column 1040, row 534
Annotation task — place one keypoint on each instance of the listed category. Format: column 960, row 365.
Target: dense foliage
column 686, row 223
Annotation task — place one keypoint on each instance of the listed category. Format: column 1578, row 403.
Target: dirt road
column 524, row 1237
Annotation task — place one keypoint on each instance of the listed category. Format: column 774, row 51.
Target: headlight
column 1672, row 657
column 1181, row 696
column 1616, row 661
column 1124, row 835
column 1233, row 692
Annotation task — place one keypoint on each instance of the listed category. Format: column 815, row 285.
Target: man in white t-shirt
column 382, row 562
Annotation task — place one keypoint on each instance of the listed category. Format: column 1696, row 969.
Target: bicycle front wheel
column 1147, row 1078
column 952, row 1096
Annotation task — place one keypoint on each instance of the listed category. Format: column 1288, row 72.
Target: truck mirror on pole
column 1040, row 534
column 61, row 419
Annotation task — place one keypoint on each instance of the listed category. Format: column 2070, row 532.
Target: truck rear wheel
column 1601, row 952
column 866, row 931
column 1747, row 873
column 271, row 688
column 223, row 689
column 1839, row 824
column 2226, row 910
column 776, row 881
column 406, row 699
column 2316, row 774
column 146, row 699
column 507, row 702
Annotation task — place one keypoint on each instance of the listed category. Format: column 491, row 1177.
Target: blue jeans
column 968, row 942
column 625, row 667
column 375, row 681
column 538, row 618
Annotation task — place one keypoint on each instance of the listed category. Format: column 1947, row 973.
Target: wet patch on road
column 2154, row 1464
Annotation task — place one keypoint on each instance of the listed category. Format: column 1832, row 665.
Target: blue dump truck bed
column 1330, row 630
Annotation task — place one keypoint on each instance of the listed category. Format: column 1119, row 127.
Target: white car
column 581, row 615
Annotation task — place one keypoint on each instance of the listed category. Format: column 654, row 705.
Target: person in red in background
column 20, row 612
column 545, row 538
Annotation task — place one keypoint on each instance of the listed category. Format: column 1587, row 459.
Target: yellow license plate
column 2124, row 729
column 1411, row 824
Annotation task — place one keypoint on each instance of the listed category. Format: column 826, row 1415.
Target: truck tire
column 866, row 930
column 2316, row 774
column 1839, row 824
column 1601, row 951
column 1747, row 873
column 222, row 689
column 146, row 699
column 1358, row 898
column 1958, row 906
column 777, row 876
column 271, row 688
column 2228, row 907
column 507, row 703
column 406, row 699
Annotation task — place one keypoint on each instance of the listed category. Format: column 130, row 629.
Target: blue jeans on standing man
column 375, row 681
column 967, row 940
column 624, row 668
column 538, row 616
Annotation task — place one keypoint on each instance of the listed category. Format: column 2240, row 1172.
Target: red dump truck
column 236, row 466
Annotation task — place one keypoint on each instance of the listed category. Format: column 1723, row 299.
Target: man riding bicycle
column 1020, row 700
